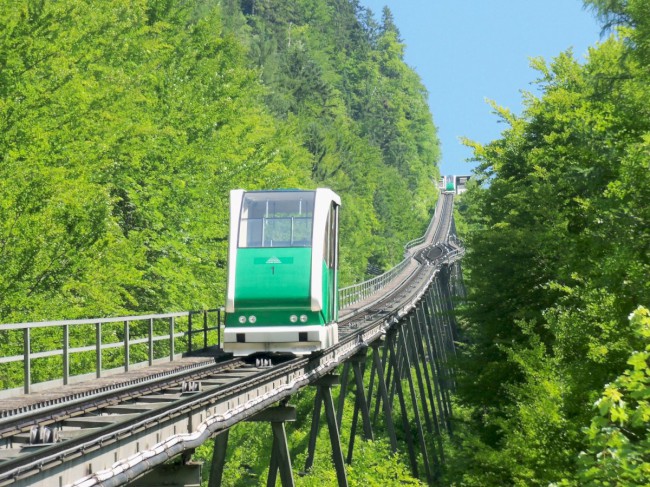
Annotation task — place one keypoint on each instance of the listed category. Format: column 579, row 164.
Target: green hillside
column 124, row 124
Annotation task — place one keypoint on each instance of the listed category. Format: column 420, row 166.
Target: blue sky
column 467, row 51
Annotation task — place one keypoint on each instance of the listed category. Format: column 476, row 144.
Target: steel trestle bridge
column 111, row 430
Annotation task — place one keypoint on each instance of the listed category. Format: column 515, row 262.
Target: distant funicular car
column 282, row 291
column 449, row 183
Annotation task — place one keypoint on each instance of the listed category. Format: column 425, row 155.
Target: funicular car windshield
column 276, row 219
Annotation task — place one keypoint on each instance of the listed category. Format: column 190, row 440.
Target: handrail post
column 189, row 333
column 205, row 329
column 127, row 357
column 98, row 341
column 219, row 327
column 66, row 354
column 150, row 341
column 27, row 361
column 171, row 339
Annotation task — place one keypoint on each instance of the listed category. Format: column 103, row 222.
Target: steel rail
column 80, row 403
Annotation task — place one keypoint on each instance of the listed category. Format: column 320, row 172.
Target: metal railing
column 357, row 292
column 360, row 291
column 454, row 255
column 455, row 241
column 101, row 344
column 417, row 241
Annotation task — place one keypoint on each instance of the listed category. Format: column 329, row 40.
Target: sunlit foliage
column 124, row 124
column 558, row 236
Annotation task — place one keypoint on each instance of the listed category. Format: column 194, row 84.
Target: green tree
column 618, row 440
column 558, row 258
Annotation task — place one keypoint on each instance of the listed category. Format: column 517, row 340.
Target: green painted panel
column 330, row 295
column 273, row 277
column 326, row 294
column 274, row 283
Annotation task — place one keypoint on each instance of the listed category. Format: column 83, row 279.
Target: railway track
column 49, row 435
column 46, row 413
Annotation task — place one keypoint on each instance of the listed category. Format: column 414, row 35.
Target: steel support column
column 445, row 340
column 342, row 392
column 430, row 324
column 280, row 458
column 218, row 459
column 383, row 395
column 358, row 363
column 420, row 360
column 421, row 333
column 439, row 361
column 324, row 396
column 400, row 393
column 421, row 341
column 371, row 382
column 315, row 427
column 414, row 400
column 415, row 363
column 450, row 314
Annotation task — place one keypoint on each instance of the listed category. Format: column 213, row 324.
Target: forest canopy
column 554, row 378
column 124, row 124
